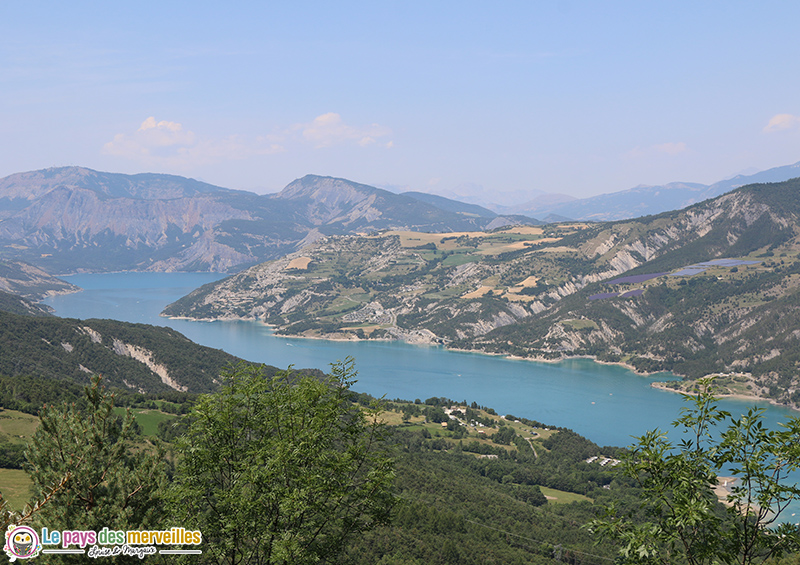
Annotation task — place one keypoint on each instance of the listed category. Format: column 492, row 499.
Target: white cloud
column 329, row 129
column 780, row 122
column 166, row 143
column 150, row 123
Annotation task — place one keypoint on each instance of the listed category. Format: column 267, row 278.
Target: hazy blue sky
column 558, row 96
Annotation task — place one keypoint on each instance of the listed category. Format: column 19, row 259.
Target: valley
column 701, row 289
column 708, row 289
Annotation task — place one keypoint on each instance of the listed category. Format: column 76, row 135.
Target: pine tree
column 102, row 481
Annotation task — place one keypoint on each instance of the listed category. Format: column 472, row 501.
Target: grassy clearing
column 723, row 385
column 391, row 418
column 479, row 292
column 580, row 324
column 17, row 427
column 16, row 487
column 410, row 239
column 562, row 497
column 300, row 263
column 491, row 243
column 528, row 282
column 459, row 259
column 147, row 419
column 340, row 305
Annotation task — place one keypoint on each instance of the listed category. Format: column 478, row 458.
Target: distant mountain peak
column 71, row 218
column 145, row 186
column 322, row 187
column 644, row 200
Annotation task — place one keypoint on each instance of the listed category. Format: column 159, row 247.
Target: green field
column 580, row 324
column 17, row 427
column 460, row 259
column 147, row 419
column 561, row 497
column 16, row 487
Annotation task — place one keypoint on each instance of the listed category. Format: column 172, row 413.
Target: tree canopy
column 681, row 519
column 282, row 469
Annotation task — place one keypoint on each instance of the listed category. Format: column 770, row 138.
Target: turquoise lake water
column 605, row 403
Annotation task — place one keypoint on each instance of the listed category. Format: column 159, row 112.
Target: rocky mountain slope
column 714, row 288
column 722, row 302
column 31, row 282
column 352, row 285
column 74, row 219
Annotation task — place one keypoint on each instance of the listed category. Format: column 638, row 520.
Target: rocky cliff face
column 715, row 290
column 77, row 219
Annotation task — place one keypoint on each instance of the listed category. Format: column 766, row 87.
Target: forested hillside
column 482, row 489
column 456, row 483
column 15, row 304
column 135, row 357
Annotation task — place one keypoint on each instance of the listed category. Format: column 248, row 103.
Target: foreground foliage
column 682, row 516
column 107, row 481
column 291, row 468
column 86, row 474
column 282, row 469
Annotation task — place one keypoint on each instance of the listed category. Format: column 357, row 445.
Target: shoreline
column 734, row 396
column 593, row 358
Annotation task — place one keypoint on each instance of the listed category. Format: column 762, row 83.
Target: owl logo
column 22, row 542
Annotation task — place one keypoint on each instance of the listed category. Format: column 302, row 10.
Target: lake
column 606, row 403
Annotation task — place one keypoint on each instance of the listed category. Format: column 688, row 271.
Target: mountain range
column 713, row 288
column 75, row 219
column 72, row 219
column 641, row 200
